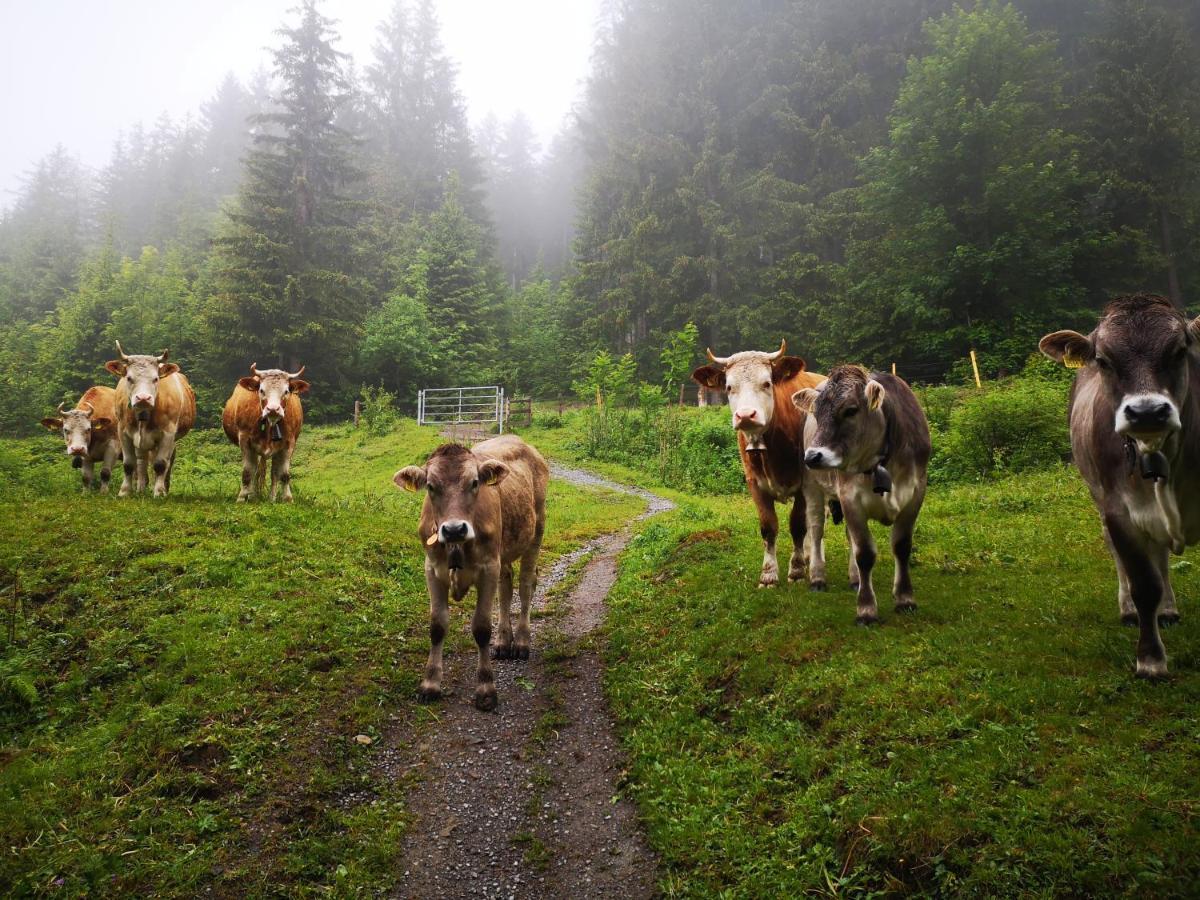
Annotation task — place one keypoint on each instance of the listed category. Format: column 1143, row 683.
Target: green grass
column 994, row 743
column 182, row 681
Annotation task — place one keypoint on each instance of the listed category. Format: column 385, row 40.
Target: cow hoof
column 768, row 581
column 1152, row 669
column 429, row 694
column 1130, row 620
column 817, row 586
column 1168, row 619
column 502, row 651
column 854, row 586
column 866, row 620
column 485, row 701
column 521, row 653
column 905, row 606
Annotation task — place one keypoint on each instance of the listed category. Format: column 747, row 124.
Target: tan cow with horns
column 155, row 406
column 90, row 434
column 263, row 417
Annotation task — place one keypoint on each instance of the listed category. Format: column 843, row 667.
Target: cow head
column 748, row 379
column 273, row 387
column 76, row 426
column 1142, row 351
column 142, row 374
column 848, row 425
column 453, row 478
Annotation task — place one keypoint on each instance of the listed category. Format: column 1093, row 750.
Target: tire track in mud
column 524, row 802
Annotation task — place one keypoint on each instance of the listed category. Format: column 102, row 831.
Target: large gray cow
column 1135, row 433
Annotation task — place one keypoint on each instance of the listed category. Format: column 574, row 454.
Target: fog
column 78, row 73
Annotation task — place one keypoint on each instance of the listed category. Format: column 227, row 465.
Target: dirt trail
column 522, row 802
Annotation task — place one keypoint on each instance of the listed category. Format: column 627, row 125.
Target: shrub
column 379, row 413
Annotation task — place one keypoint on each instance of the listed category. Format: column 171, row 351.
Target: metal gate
column 479, row 406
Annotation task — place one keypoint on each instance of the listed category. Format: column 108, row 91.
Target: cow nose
column 454, row 532
column 814, row 459
column 77, row 451
column 1148, row 413
column 142, row 398
column 746, row 414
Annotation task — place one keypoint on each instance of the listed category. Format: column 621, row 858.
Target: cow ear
column 786, row 367
column 492, row 471
column 250, row 383
column 300, row 387
column 875, row 394
column 411, row 478
column 52, row 424
column 1193, row 329
column 710, row 377
column 805, row 399
column 100, row 422
column 1070, row 348
column 165, row 369
column 116, row 366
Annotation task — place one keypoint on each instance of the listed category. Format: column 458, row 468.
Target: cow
column 484, row 509
column 769, row 428
column 90, row 432
column 868, row 431
column 155, row 407
column 1134, row 414
column 262, row 417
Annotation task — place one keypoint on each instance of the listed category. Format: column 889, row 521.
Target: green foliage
column 378, row 412
column 608, row 381
column 678, row 357
column 397, row 344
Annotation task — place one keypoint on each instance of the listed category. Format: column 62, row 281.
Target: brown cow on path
column 1135, row 434
column 769, row 429
column 869, row 432
column 262, row 417
column 90, row 432
column 155, row 407
column 485, row 509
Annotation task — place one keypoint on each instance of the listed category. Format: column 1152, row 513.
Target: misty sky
column 77, row 72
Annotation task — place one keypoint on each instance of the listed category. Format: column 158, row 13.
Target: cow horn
column 60, row 408
column 124, row 355
column 771, row 357
column 254, row 369
column 90, row 409
column 298, row 374
column 163, row 356
column 717, row 360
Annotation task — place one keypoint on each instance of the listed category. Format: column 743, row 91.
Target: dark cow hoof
column 502, row 651
column 429, row 695
column 1166, row 620
column 1129, row 620
column 866, row 621
column 520, row 653
column 854, row 586
column 817, row 586
column 485, row 701
column 906, row 607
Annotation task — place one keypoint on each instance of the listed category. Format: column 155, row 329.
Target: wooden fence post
column 357, row 410
column 975, row 369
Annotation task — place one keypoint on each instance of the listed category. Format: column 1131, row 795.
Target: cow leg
column 260, row 479
column 87, row 473
column 528, row 584
column 249, row 465
column 768, row 527
column 143, row 464
column 284, row 460
column 902, row 535
column 171, row 467
column 798, row 528
column 106, row 467
column 1146, row 589
column 162, row 463
column 862, row 549
column 814, row 508
column 128, row 465
column 503, row 648
column 439, row 623
column 1125, row 605
column 481, row 628
column 1168, row 613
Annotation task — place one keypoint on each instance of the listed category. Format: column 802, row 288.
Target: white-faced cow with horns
column 262, row 417
column 90, row 433
column 759, row 387
column 155, row 407
column 1135, row 435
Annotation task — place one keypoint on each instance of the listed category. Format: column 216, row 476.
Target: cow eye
column 1103, row 363
column 850, row 411
column 474, row 484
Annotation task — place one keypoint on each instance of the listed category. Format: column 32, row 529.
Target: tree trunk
column 1174, row 289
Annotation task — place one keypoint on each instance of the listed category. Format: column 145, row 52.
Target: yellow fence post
column 975, row 368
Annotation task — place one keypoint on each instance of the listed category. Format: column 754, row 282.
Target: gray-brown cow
column 1135, row 434
column 869, row 432
column 484, row 510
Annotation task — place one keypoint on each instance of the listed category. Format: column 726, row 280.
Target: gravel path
column 523, row 802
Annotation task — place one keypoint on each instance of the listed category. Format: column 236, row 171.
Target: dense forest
column 887, row 182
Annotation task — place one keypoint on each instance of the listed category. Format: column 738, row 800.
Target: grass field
column 994, row 743
column 182, row 681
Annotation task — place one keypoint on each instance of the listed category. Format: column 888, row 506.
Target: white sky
column 77, row 72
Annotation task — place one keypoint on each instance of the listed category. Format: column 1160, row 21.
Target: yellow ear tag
column 431, row 540
column 1073, row 362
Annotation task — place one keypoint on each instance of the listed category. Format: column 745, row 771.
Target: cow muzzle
column 1148, row 419
column 821, row 458
column 76, row 451
column 456, row 531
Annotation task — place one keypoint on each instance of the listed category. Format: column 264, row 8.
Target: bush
column 379, row 413
column 1011, row 427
